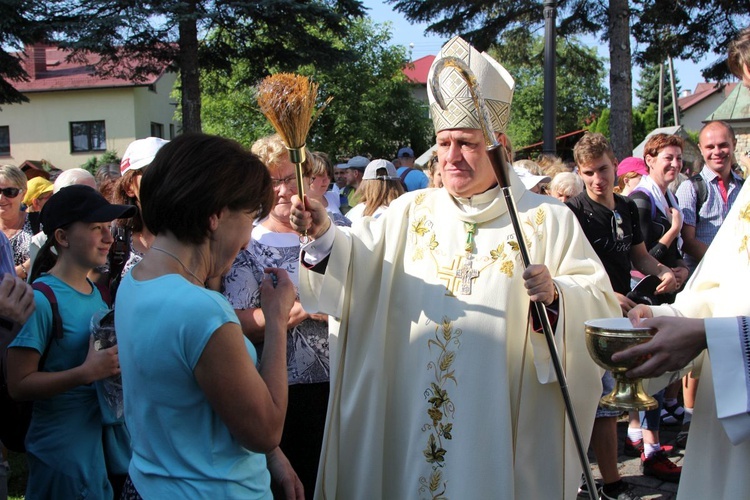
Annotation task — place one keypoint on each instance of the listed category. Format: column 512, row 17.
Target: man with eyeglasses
column 610, row 222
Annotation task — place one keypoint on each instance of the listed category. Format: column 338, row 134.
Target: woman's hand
column 283, row 474
column 277, row 295
column 676, row 216
column 101, row 363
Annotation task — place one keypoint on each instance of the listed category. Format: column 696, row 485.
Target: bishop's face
column 463, row 163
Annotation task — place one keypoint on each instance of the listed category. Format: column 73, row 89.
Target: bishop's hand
column 539, row 284
column 311, row 217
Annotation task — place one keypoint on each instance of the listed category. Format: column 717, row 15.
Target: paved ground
column 647, row 487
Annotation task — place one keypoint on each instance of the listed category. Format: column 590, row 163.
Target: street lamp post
column 549, row 146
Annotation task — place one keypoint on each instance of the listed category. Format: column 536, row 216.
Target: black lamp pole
column 550, row 85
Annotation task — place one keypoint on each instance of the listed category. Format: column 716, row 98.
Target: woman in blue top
column 206, row 421
column 64, row 444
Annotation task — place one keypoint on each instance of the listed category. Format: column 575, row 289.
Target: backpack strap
column 57, row 326
column 407, row 171
column 701, row 194
column 106, row 295
column 640, row 203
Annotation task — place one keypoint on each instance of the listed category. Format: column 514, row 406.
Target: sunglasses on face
column 10, row 192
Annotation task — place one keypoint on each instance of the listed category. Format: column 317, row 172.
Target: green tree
column 93, row 163
column 648, row 93
column 138, row 38
column 601, row 124
column 20, row 24
column 373, row 111
column 644, row 122
column 580, row 89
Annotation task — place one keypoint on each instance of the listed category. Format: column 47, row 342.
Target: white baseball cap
column 140, row 153
column 371, row 172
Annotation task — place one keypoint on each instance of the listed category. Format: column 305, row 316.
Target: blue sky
column 404, row 33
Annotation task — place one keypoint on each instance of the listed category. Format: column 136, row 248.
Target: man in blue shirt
column 413, row 178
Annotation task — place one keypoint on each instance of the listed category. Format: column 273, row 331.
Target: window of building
column 88, row 136
column 157, row 130
column 171, row 131
column 4, row 140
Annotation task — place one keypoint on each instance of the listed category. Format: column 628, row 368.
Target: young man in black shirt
column 610, row 222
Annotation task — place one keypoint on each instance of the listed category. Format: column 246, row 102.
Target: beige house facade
column 73, row 115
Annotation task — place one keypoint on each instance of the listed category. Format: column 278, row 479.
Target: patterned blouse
column 20, row 241
column 307, row 343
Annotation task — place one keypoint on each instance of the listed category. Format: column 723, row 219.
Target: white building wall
column 692, row 119
column 155, row 106
column 40, row 129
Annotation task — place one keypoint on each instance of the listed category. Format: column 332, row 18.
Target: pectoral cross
column 458, row 276
column 466, row 273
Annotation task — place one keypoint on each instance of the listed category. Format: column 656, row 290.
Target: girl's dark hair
column 197, row 175
column 45, row 258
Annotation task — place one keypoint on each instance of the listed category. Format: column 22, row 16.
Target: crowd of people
column 391, row 352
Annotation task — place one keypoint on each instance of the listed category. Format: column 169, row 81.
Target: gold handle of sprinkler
column 297, row 156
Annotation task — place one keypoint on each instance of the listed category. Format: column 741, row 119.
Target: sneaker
column 624, row 492
column 660, row 467
column 635, row 448
column 672, row 415
column 583, row 488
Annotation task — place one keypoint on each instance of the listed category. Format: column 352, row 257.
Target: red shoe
column 661, row 467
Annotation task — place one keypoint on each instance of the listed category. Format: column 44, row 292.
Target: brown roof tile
column 58, row 74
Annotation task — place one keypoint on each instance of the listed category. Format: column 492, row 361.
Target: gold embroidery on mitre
column 440, row 409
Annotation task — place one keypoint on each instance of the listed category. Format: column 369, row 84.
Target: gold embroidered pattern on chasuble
column 440, row 410
column 457, row 271
column 743, row 230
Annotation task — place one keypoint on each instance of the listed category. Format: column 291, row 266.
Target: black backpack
column 15, row 416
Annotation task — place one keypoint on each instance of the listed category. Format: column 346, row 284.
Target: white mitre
column 495, row 84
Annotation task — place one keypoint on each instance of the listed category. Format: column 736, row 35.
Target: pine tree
column 648, row 92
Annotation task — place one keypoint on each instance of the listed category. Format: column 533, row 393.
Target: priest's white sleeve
column 728, row 346
column 315, row 251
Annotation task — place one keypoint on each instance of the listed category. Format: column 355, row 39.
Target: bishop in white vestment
column 440, row 388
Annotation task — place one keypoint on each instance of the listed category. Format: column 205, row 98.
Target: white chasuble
column 439, row 394
column 717, row 458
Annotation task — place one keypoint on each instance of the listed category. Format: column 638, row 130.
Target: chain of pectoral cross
column 467, row 273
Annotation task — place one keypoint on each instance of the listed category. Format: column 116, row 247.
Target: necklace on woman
column 191, row 273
